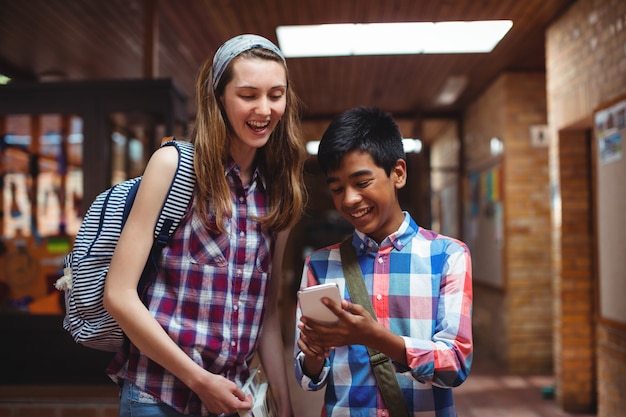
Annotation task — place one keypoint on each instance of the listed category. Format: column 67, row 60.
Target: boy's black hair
column 367, row 129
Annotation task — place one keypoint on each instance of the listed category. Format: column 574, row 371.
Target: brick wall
column 527, row 221
column 514, row 103
column 573, row 286
column 586, row 67
column 482, row 121
column 611, row 371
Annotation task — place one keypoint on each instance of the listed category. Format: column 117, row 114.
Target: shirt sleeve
column 306, row 382
column 445, row 359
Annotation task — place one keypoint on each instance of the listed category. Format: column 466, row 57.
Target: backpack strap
column 175, row 205
column 381, row 365
column 179, row 195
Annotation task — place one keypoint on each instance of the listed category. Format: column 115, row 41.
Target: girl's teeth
column 258, row 125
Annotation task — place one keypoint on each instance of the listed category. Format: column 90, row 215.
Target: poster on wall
column 609, row 124
column 484, row 224
column 610, row 128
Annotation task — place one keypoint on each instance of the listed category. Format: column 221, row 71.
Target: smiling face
column 365, row 196
column 254, row 101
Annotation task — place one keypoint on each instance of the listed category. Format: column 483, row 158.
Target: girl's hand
column 221, row 395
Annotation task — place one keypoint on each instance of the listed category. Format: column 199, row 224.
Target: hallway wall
column 586, row 68
column 512, row 311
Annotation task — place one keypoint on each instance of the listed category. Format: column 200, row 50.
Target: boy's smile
column 365, row 196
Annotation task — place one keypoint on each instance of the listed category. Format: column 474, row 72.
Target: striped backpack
column 86, row 266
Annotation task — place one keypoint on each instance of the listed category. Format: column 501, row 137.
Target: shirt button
column 239, row 272
column 380, row 260
column 233, row 343
column 379, row 297
column 241, row 199
column 242, row 234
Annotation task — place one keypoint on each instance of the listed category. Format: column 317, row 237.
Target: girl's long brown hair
column 280, row 161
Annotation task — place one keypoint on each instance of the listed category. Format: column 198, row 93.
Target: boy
column 419, row 283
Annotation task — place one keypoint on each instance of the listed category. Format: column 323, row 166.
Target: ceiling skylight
column 391, row 38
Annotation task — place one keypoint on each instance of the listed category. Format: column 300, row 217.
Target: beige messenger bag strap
column 381, row 365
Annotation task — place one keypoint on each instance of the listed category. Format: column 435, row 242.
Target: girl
column 214, row 300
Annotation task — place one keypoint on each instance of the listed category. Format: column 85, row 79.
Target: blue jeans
column 136, row 403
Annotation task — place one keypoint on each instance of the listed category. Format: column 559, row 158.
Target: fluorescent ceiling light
column 391, row 38
column 412, row 145
column 451, row 90
column 409, row 145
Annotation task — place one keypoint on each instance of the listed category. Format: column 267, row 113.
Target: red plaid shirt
column 210, row 296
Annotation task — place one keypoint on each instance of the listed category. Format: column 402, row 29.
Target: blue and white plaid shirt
column 420, row 285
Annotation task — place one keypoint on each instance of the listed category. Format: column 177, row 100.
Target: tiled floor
column 488, row 392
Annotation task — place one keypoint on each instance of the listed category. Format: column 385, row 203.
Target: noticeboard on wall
column 609, row 132
column 484, row 224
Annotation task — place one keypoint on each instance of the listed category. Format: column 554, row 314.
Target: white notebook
column 263, row 403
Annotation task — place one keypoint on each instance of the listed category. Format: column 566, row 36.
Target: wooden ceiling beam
column 150, row 39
